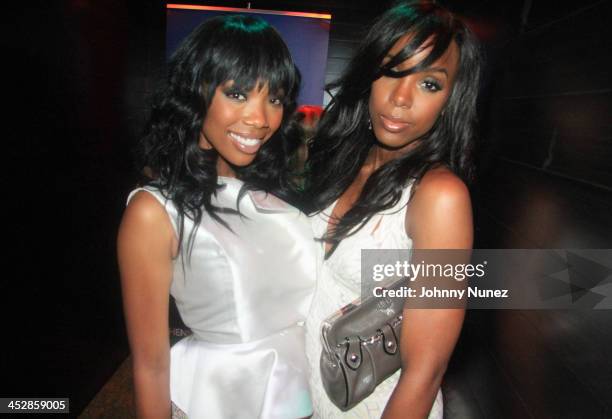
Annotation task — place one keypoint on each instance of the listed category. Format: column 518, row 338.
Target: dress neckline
column 225, row 178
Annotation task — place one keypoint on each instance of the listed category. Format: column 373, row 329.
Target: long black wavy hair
column 343, row 139
column 248, row 51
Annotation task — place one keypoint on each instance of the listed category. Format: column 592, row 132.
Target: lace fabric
column 339, row 283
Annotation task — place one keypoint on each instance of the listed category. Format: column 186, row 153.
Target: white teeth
column 248, row 142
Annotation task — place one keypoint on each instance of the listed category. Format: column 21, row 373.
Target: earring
column 370, row 124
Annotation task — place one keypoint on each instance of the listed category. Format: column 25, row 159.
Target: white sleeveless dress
column 245, row 295
column 339, row 283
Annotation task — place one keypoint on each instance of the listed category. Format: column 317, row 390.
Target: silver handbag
column 361, row 348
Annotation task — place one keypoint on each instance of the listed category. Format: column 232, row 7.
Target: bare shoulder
column 146, row 220
column 146, row 209
column 440, row 212
column 440, row 186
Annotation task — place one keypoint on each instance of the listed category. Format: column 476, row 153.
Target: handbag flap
column 365, row 319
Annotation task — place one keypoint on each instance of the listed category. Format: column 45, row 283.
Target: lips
column 394, row 125
column 245, row 142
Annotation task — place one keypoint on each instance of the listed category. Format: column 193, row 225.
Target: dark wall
column 546, row 177
column 545, row 182
column 70, row 117
column 80, row 77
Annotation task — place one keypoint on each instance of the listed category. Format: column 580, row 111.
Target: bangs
column 253, row 57
column 434, row 33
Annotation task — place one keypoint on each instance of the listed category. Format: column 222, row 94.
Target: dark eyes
column 242, row 97
column 431, row 85
column 235, row 95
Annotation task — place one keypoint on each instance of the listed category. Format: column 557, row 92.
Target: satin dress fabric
column 339, row 284
column 244, row 293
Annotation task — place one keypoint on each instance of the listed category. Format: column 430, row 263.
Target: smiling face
column 238, row 123
column 403, row 110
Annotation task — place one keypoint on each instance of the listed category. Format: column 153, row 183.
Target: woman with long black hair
column 212, row 226
column 388, row 169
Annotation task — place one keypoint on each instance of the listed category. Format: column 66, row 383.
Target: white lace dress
column 338, row 284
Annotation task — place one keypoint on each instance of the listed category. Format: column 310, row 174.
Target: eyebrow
column 437, row 70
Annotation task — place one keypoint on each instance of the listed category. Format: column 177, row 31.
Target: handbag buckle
column 353, row 355
column 389, row 340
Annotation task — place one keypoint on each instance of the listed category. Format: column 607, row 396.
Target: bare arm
column 145, row 247
column 439, row 217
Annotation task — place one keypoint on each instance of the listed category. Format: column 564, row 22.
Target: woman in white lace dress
column 389, row 167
